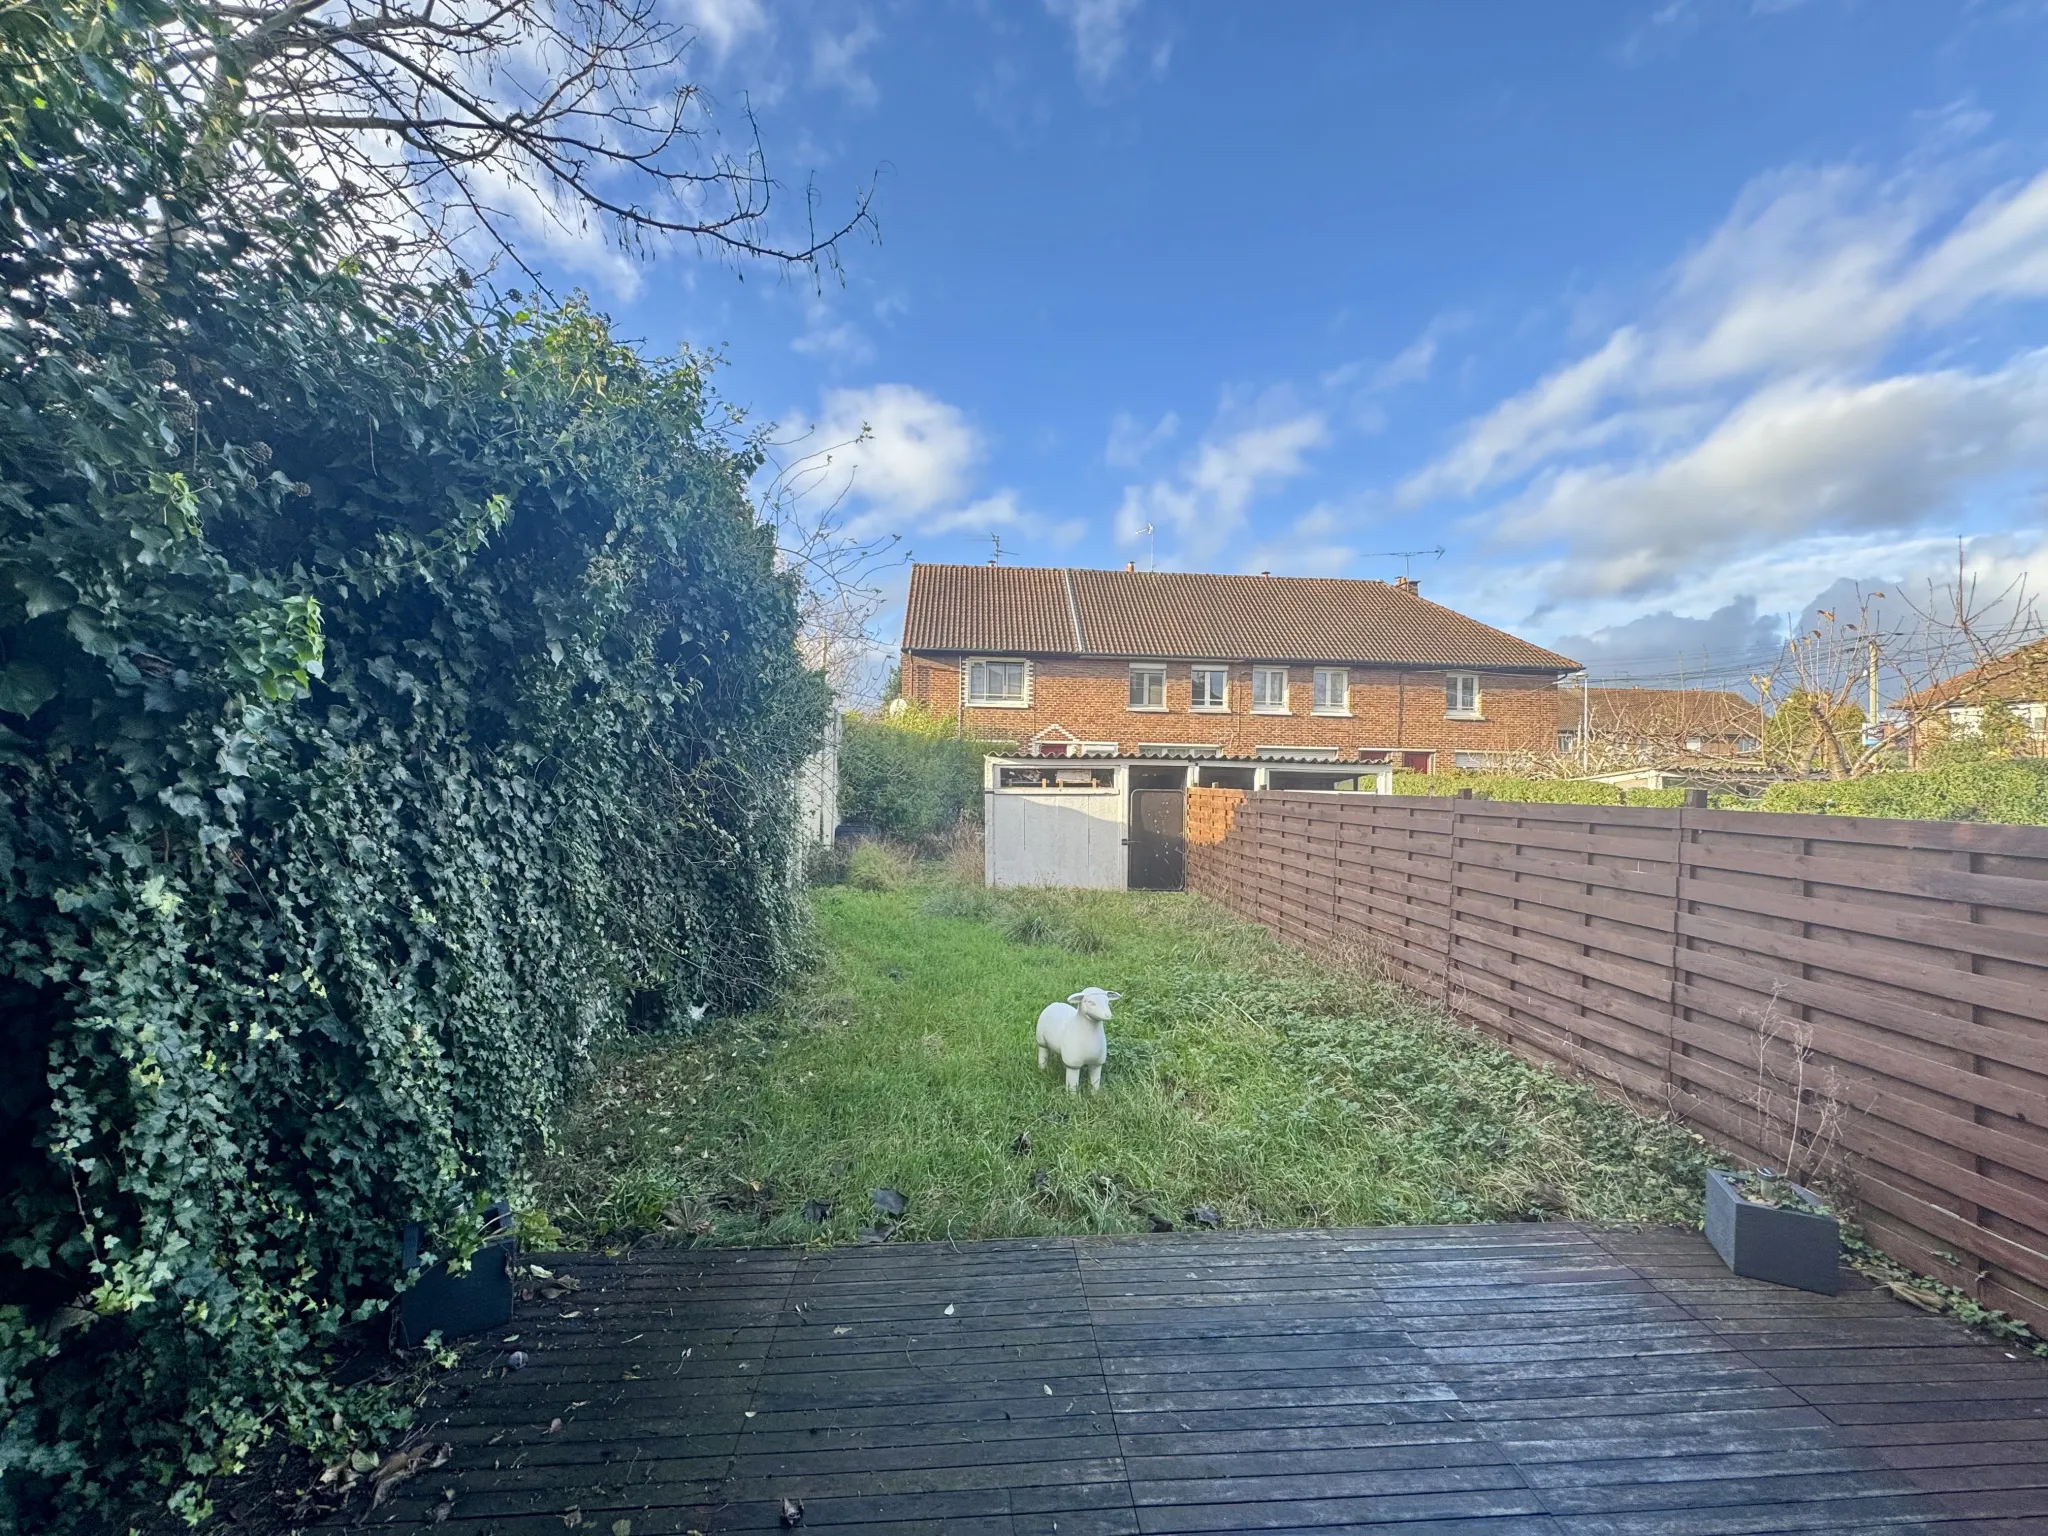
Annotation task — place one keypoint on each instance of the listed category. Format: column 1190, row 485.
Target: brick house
column 2017, row 680
column 1175, row 664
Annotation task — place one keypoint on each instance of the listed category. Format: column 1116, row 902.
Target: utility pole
column 1872, row 736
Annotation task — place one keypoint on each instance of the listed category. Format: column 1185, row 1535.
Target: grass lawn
column 1241, row 1077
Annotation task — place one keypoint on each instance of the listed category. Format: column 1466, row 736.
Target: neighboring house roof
column 1174, row 615
column 1658, row 712
column 2018, row 677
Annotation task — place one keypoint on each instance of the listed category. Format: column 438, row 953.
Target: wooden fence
column 1722, row 966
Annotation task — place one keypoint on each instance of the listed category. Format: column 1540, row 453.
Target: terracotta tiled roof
column 2018, row 677
column 1174, row 614
column 1660, row 711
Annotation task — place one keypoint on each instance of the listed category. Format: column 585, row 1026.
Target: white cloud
column 1790, row 459
column 1205, row 501
column 1761, row 398
column 725, row 24
column 1100, row 39
column 835, row 61
column 1129, row 444
column 905, row 451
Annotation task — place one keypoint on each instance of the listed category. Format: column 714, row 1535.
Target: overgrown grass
column 1241, row 1077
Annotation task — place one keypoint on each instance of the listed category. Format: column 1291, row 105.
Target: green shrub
column 390, row 691
column 877, row 867
column 1979, row 789
column 908, row 779
column 1497, row 786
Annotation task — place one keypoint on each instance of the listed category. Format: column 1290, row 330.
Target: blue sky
column 1663, row 319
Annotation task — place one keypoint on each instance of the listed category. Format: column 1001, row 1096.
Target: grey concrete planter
column 1767, row 1242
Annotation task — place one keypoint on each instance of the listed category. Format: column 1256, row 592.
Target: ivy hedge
column 397, row 692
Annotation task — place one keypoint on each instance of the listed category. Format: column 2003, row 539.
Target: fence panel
column 1740, row 970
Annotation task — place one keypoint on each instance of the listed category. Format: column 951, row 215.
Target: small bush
column 877, row 867
column 907, row 776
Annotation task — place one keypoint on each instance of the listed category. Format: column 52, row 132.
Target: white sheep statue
column 1073, row 1031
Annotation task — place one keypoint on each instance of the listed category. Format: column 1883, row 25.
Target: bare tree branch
column 446, row 126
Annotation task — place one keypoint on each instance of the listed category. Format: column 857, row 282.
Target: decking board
column 1551, row 1380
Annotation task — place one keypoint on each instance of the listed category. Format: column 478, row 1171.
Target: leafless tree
column 1833, row 673
column 840, row 574
column 442, row 125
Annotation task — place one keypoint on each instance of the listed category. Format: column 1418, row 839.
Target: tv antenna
column 997, row 540
column 1405, row 556
column 1151, row 548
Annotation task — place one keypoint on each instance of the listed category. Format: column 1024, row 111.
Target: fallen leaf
column 1021, row 1147
column 817, row 1212
column 1159, row 1223
column 553, row 1425
column 872, row 1235
column 1205, row 1216
column 792, row 1511
column 573, row 1516
column 949, row 1309
column 1926, row 1301
column 1041, row 1181
column 842, row 1330
column 400, row 1465
column 1048, row 1391
column 889, row 1203
column 622, row 1528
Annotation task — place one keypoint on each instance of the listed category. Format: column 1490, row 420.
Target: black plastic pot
column 1802, row 1249
column 475, row 1301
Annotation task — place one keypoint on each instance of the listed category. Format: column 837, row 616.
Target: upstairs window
column 998, row 684
column 1333, row 691
column 1461, row 695
column 1209, row 688
column 1148, row 688
column 1269, row 690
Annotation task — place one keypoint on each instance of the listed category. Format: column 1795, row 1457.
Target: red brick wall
column 1388, row 709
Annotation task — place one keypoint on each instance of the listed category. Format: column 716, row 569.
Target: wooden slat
column 1643, row 946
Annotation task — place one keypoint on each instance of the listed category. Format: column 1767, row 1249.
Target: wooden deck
column 1486, row 1379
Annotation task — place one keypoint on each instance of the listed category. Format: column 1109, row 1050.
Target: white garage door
column 1060, row 837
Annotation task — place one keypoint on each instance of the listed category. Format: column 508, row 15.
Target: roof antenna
column 1405, row 556
column 1151, row 548
column 997, row 540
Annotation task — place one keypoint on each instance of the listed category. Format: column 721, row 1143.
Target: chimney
column 1130, row 565
column 1409, row 585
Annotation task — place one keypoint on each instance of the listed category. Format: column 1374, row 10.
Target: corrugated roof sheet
column 1201, row 617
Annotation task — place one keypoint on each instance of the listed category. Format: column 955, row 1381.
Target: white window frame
column 1479, row 761
column 1343, row 677
column 1465, row 684
column 1268, row 674
column 984, row 701
column 1216, row 707
column 1147, row 669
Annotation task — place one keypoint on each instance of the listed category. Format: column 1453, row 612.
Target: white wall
column 1068, row 837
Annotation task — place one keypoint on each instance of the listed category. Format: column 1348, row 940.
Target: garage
column 1106, row 822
